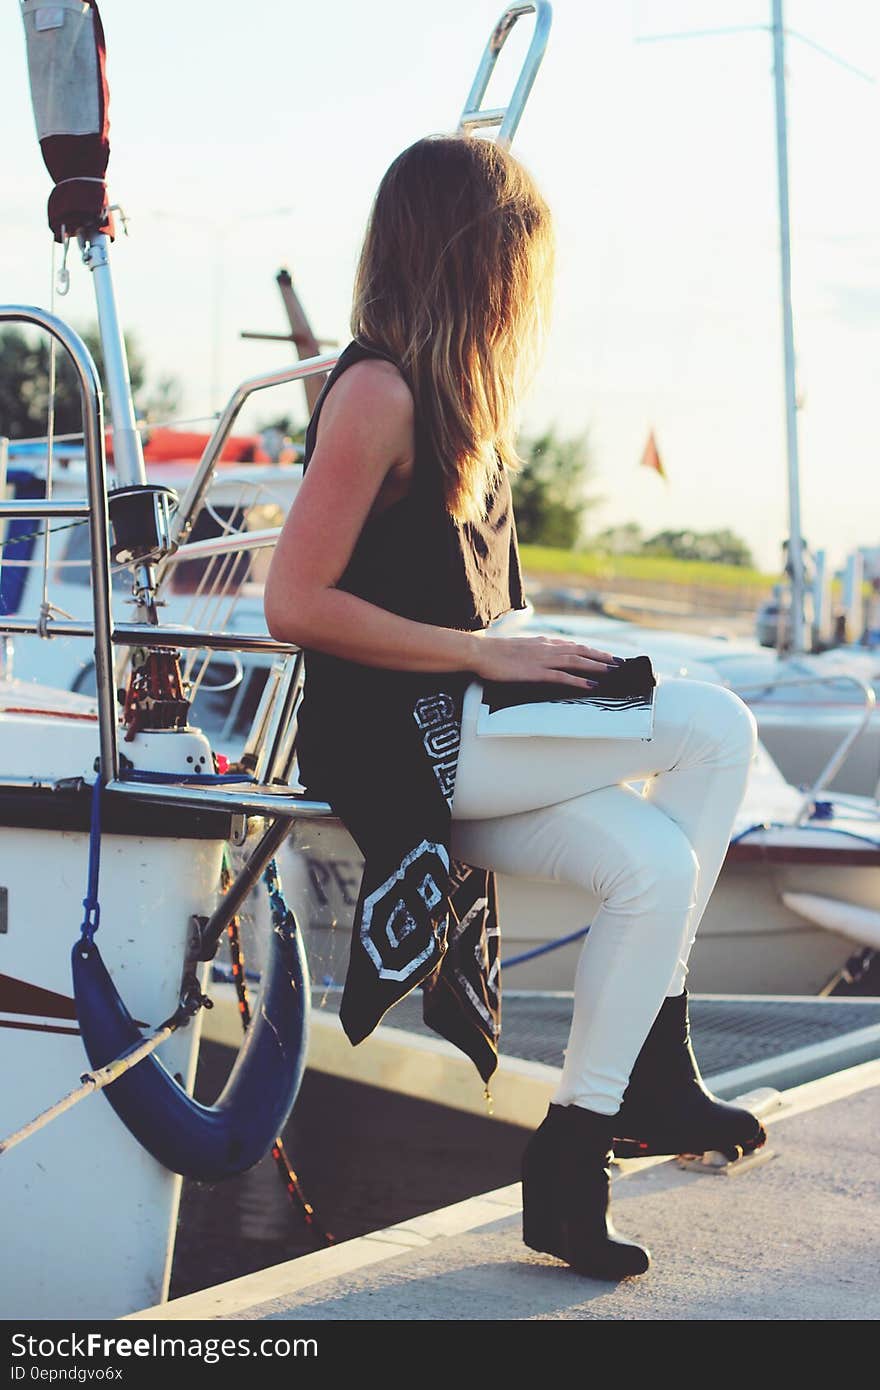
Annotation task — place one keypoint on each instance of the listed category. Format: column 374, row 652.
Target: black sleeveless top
column 413, row 560
column 381, row 746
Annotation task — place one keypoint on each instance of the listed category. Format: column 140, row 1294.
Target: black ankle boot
column 666, row 1107
column 566, row 1182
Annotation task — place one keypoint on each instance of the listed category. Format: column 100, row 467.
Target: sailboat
column 117, row 813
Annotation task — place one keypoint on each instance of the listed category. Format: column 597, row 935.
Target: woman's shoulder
column 370, row 384
column 365, row 405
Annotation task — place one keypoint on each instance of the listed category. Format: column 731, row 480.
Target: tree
column 24, row 385
column 625, row 539
column 721, row 547
column 549, row 495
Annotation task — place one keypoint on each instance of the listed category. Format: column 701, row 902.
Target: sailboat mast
column 795, row 548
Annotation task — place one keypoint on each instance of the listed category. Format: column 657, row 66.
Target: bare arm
column 365, row 436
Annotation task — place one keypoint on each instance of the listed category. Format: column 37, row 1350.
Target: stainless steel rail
column 194, row 496
column 255, row 800
column 232, row 543
column 279, row 744
column 43, row 510
column 248, row 799
column 837, row 758
column 507, row 118
column 142, row 635
column 92, row 403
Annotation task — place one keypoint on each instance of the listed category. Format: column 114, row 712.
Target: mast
column 795, row 563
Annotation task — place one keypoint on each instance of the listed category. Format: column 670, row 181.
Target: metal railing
column 94, row 508
column 274, row 746
column 194, row 496
column 507, row 118
column 835, row 762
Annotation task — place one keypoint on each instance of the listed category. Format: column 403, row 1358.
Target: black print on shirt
column 441, row 733
column 482, row 946
column 389, row 923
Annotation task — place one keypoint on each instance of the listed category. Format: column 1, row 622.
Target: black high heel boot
column 667, row 1109
column 566, row 1182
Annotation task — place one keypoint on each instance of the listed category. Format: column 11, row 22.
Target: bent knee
column 659, row 871
column 738, row 727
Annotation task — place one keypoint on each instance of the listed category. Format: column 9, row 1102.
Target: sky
column 246, row 138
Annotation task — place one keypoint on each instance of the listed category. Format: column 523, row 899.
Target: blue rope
column 92, row 917
column 548, row 946
column 281, row 916
column 759, row 825
column 822, row 829
column 281, row 913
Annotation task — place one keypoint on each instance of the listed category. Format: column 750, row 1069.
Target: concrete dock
column 792, row 1237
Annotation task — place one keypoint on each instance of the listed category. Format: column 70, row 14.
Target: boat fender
column 203, row 1142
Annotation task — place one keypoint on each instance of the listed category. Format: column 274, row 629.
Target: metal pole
column 128, row 453
column 795, row 550
column 128, row 457
column 247, row 877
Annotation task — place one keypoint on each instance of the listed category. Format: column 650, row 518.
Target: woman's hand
column 554, row 659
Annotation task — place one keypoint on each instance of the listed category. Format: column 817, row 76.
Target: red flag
column 651, row 458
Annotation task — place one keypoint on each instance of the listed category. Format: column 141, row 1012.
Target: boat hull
column 89, row 1214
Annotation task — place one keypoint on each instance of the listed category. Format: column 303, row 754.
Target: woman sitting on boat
column 396, row 563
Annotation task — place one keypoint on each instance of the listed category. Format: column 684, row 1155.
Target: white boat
column 155, row 873
column 797, row 898
column 805, row 703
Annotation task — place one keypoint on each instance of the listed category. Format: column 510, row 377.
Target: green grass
column 577, row 564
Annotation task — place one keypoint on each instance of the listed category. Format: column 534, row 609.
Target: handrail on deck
column 265, row 800
column 194, row 496
column 92, row 402
column 843, row 748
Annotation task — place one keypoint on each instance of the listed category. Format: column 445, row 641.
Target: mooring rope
column 92, row 1081
column 95, row 1080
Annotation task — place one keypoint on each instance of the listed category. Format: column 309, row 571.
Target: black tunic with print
column 381, row 746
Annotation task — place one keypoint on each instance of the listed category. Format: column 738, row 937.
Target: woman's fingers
column 546, row 658
column 584, row 663
column 594, row 653
column 576, row 658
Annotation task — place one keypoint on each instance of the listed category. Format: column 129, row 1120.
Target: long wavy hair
column 455, row 281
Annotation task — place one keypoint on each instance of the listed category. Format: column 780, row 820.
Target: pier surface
column 792, row 1238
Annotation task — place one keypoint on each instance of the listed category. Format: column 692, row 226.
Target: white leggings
column 560, row 809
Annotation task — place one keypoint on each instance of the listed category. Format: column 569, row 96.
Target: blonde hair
column 455, row 282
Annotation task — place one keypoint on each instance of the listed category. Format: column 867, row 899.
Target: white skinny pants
column 559, row 809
